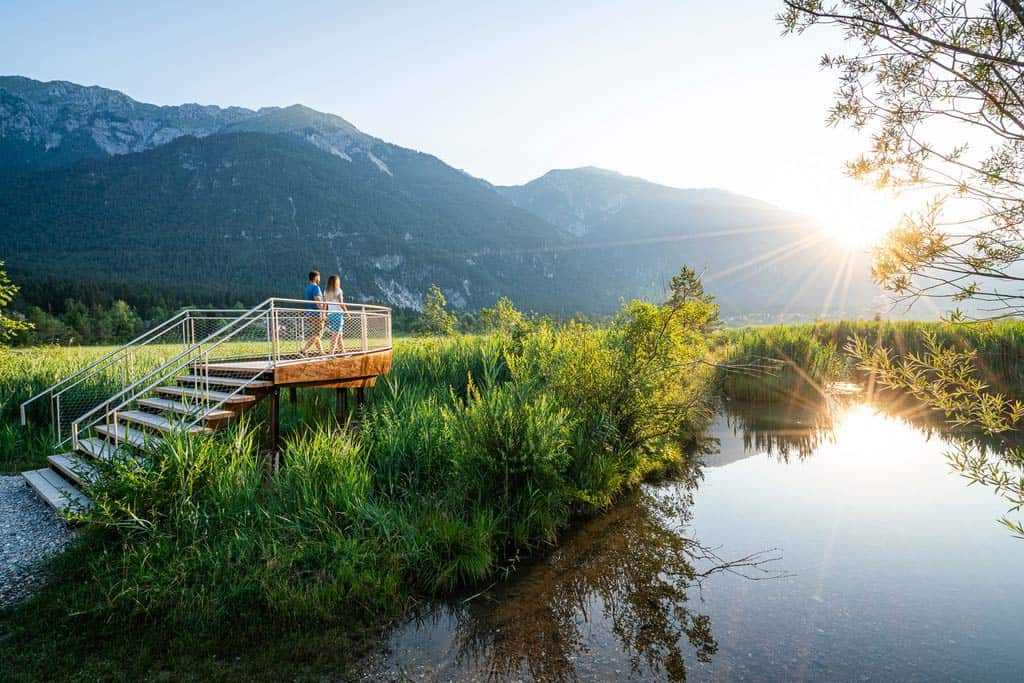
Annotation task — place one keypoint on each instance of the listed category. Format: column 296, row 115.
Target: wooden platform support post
column 341, row 406
column 293, row 395
column 360, row 396
column 275, row 419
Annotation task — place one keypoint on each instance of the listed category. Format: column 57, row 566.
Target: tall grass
column 779, row 361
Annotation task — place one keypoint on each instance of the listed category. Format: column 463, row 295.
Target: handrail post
column 74, row 436
column 275, row 332
column 364, row 331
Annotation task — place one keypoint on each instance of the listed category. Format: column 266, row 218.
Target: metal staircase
column 193, row 373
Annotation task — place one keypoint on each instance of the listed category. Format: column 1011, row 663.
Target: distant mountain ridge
column 757, row 258
column 231, row 204
column 582, row 200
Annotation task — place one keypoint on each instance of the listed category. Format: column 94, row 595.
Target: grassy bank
column 473, row 453
column 813, row 355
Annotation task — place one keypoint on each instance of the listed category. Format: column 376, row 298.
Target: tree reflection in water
column 630, row 570
column 783, row 430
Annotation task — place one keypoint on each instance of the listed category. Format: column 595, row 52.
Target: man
column 317, row 313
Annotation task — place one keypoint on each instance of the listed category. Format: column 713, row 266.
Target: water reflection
column 799, row 428
column 888, row 560
column 783, row 431
column 628, row 574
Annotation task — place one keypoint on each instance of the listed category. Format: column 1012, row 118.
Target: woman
column 336, row 309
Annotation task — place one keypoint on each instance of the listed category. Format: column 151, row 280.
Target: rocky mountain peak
column 46, row 124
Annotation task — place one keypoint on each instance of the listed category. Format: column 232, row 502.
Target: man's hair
column 313, row 274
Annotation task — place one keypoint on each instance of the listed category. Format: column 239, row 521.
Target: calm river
column 812, row 544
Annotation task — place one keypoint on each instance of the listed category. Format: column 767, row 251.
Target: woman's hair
column 333, row 286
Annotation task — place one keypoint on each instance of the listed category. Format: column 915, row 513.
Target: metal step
column 216, row 381
column 232, row 369
column 199, row 395
column 192, row 410
column 159, row 422
column 74, row 469
column 122, row 434
column 55, row 491
column 102, row 450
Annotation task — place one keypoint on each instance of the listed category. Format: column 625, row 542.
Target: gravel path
column 29, row 532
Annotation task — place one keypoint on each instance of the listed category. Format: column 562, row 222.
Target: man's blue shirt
column 312, row 292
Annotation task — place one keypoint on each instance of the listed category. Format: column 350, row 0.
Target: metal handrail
column 141, row 340
column 86, row 378
column 307, row 302
column 177, row 366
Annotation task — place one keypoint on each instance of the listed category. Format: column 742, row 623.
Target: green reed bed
column 777, row 361
column 799, row 360
column 473, row 452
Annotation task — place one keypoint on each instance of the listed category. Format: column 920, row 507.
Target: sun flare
column 859, row 219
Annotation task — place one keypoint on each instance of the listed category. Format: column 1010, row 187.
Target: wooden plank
column 216, row 381
column 192, row 410
column 123, row 434
column 356, row 367
column 55, row 491
column 73, row 468
column 102, row 450
column 199, row 395
column 158, row 422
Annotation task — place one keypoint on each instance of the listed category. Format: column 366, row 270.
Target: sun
column 858, row 218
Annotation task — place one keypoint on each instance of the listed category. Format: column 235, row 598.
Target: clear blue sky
column 691, row 94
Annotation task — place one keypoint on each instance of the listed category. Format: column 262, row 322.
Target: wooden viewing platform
column 215, row 377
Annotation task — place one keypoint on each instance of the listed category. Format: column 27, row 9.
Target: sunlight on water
column 814, row 543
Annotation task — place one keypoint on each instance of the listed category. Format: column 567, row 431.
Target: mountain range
column 101, row 195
